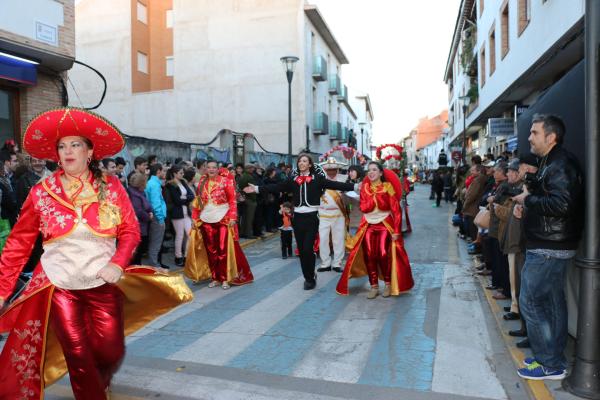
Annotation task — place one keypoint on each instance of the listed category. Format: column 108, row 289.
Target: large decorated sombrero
column 332, row 163
column 44, row 131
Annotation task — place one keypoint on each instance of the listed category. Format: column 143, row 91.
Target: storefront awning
column 16, row 69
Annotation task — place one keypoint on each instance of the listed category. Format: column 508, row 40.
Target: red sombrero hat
column 44, row 131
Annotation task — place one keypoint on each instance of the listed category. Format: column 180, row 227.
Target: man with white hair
column 333, row 220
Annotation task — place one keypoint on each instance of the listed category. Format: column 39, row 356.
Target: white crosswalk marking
column 343, row 351
column 206, row 296
column 233, row 336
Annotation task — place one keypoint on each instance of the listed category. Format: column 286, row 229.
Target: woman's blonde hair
column 138, row 180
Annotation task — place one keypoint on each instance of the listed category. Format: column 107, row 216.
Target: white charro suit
column 332, row 221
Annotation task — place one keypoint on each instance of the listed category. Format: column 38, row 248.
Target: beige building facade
column 183, row 70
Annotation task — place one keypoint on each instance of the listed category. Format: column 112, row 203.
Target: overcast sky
column 397, row 51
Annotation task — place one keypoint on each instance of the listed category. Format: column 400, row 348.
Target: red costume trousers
column 377, row 245
column 89, row 327
column 215, row 241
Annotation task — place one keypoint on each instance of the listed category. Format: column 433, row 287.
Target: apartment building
column 504, row 55
column 37, row 47
column 184, row 71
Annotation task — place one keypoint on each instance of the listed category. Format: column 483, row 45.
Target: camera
column 513, row 191
column 530, row 180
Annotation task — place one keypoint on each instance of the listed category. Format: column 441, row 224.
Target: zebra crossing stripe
column 235, row 335
column 403, row 354
column 285, row 344
column 185, row 330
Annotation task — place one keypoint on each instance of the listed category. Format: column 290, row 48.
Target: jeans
column 156, row 233
column 542, row 302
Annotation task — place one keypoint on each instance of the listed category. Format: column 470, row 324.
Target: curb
column 537, row 390
column 252, row 242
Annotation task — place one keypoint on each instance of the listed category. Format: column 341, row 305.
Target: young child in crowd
column 287, row 213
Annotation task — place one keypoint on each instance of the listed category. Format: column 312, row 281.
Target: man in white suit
column 333, row 219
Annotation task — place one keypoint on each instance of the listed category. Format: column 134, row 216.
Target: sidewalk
column 538, row 390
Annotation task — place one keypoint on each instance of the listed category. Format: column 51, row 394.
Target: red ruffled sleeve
column 396, row 212
column 18, row 247
column 231, row 199
column 128, row 232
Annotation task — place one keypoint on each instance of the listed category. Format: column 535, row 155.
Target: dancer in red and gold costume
column 377, row 250
column 83, row 297
column 214, row 251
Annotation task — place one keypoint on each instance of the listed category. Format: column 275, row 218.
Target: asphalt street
column 273, row 340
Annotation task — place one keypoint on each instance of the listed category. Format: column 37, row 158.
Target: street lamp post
column 362, row 136
column 465, row 105
column 583, row 380
column 289, row 63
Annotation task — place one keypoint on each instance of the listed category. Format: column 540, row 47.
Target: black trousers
column 470, row 226
column 286, row 244
column 500, row 271
column 438, row 197
column 306, row 227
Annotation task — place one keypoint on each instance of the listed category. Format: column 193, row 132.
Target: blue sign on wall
column 17, row 70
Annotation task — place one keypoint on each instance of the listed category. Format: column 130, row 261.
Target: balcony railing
column 335, row 84
column 345, row 134
column 335, row 131
column 321, row 124
column 319, row 69
column 343, row 96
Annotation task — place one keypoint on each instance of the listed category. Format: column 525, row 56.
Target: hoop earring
column 59, row 164
column 89, row 160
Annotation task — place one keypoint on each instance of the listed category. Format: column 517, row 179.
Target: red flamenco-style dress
column 83, row 228
column 372, row 250
column 214, row 251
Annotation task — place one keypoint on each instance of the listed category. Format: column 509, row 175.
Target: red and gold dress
column 81, row 234
column 214, row 251
column 372, row 250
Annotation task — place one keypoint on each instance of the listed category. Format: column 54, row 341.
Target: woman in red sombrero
column 83, row 296
column 377, row 249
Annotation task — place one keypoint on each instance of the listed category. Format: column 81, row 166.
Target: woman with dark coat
column 143, row 212
column 307, row 184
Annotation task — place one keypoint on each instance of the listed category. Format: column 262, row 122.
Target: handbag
column 482, row 219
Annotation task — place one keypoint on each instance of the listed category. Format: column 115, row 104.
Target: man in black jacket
column 550, row 205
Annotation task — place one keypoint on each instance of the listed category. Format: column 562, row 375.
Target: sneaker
column 537, row 372
column 323, row 269
column 374, row 292
column 528, row 361
column 387, row 291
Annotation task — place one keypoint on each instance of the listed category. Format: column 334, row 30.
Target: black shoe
column 507, row 309
column 310, row 285
column 165, row 266
column 179, row 261
column 518, row 333
column 491, row 287
column 284, row 257
column 337, row 269
column 511, row 316
column 523, row 344
column 324, row 269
